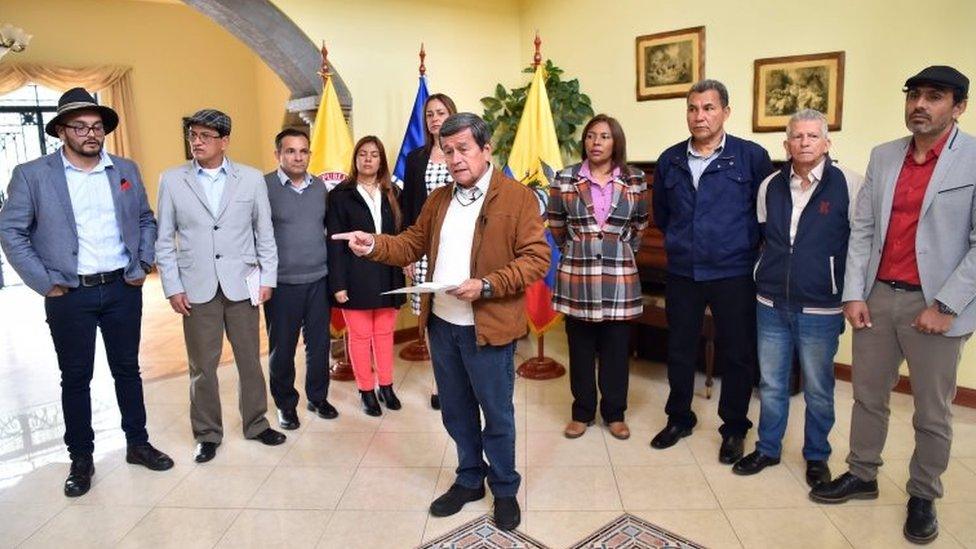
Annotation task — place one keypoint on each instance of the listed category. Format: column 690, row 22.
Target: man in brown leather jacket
column 483, row 235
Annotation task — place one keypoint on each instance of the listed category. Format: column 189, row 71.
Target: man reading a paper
column 483, row 234
column 214, row 231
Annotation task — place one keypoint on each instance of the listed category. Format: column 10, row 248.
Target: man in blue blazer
column 908, row 292
column 704, row 199
column 78, row 230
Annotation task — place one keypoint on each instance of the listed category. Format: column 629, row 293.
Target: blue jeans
column 814, row 337
column 470, row 377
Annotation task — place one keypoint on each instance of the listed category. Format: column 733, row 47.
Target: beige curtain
column 113, row 83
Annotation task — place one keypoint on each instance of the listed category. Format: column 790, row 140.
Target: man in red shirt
column 908, row 292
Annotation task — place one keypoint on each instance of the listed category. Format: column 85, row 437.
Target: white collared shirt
column 286, row 181
column 375, row 205
column 454, row 249
column 100, row 245
column 212, row 181
column 698, row 163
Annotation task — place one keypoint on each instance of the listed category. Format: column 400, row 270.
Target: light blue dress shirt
column 697, row 163
column 212, row 181
column 287, row 182
column 100, row 245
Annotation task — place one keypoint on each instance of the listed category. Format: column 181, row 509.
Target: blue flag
column 416, row 129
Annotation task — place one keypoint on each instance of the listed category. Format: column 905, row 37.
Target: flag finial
column 423, row 54
column 538, row 54
column 324, row 71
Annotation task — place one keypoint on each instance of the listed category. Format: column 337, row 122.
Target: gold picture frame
column 784, row 85
column 669, row 63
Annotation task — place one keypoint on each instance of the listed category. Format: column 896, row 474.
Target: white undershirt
column 454, row 254
column 375, row 205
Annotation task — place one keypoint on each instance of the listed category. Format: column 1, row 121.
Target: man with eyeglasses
column 218, row 260
column 78, row 230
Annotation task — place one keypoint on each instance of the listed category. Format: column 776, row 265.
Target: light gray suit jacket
column 197, row 249
column 945, row 241
column 38, row 229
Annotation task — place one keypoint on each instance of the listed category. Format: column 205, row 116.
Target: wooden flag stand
column 540, row 367
column 416, row 350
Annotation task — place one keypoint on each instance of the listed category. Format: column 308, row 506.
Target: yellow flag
column 331, row 141
column 535, row 150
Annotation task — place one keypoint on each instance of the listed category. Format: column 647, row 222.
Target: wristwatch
column 486, row 289
column 945, row 309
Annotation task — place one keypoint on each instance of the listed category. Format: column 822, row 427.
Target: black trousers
column 295, row 308
column 610, row 341
column 733, row 305
column 116, row 309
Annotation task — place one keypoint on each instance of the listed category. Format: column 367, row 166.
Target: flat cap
column 211, row 118
column 940, row 75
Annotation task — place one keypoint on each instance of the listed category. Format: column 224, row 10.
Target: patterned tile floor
column 366, row 482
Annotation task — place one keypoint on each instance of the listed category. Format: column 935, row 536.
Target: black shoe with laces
column 79, row 477
column 507, row 513
column 921, row 525
column 454, row 499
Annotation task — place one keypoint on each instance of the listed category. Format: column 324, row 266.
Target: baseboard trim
column 964, row 395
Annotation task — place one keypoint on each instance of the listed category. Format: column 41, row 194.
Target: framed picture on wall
column 668, row 63
column 783, row 86
column 186, row 142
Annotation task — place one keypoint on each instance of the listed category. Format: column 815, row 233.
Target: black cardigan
column 414, row 185
column 362, row 279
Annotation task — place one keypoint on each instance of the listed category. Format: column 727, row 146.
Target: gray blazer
column 945, row 243
column 197, row 250
column 38, row 229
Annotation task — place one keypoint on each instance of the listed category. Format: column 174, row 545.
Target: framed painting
column 783, row 86
column 669, row 63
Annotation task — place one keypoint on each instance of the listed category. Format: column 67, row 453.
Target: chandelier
column 13, row 39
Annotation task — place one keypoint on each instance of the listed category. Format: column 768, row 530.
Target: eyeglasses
column 204, row 137
column 82, row 130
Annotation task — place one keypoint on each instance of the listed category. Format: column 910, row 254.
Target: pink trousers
column 371, row 338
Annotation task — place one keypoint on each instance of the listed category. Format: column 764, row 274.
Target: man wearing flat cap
column 909, row 292
column 78, row 230
column 217, row 257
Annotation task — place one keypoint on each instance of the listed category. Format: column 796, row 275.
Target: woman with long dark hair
column 426, row 170
column 367, row 201
column 597, row 214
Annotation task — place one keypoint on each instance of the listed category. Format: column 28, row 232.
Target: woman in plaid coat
column 597, row 213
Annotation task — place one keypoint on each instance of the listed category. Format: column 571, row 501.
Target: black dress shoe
column 731, row 450
column 148, row 457
column 843, row 488
column 205, row 451
column 753, row 463
column 288, row 419
column 921, row 526
column 507, row 513
column 270, row 437
column 388, row 397
column 323, row 409
column 817, row 473
column 79, row 477
column 435, row 402
column 669, row 436
column 454, row 499
column 370, row 405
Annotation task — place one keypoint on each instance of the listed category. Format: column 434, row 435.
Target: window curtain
column 112, row 83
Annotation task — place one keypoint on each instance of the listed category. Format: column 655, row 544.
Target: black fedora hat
column 77, row 99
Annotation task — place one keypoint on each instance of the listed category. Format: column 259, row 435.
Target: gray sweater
column 299, row 229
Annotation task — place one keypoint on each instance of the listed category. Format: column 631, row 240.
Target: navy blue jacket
column 712, row 232
column 810, row 272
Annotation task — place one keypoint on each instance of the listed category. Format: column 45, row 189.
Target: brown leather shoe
column 575, row 429
column 619, row 430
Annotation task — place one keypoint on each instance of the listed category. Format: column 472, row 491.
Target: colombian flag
column 534, row 160
column 331, row 156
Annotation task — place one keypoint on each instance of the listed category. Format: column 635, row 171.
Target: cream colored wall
column 181, row 61
column 271, row 97
column 885, row 42
column 471, row 45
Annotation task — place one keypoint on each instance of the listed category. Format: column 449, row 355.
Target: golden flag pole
column 416, row 350
column 540, row 366
column 341, row 369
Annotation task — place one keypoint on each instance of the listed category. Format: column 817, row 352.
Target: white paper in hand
column 253, row 281
column 423, row 288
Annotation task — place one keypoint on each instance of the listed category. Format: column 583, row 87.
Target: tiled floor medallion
column 630, row 532
column 481, row 533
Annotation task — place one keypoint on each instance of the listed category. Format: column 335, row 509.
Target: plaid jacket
column 597, row 276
